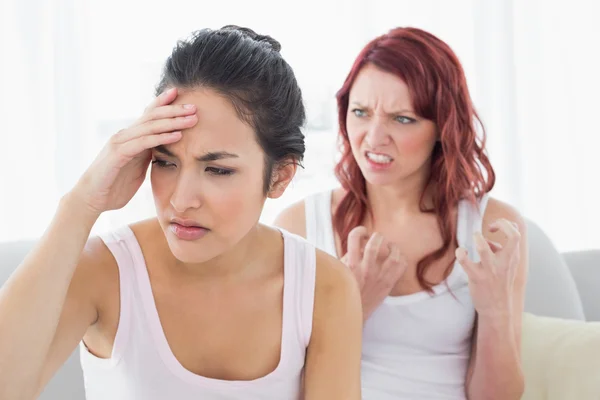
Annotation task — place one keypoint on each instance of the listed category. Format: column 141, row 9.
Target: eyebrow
column 406, row 110
column 208, row 156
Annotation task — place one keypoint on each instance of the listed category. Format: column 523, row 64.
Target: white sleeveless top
column 142, row 366
column 418, row 346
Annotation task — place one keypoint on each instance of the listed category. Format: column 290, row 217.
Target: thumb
column 470, row 267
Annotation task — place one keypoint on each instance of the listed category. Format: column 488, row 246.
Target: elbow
column 512, row 391
column 519, row 389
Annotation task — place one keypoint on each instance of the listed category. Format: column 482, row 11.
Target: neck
column 400, row 199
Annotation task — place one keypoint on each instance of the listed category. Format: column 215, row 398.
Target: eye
column 404, row 120
column 359, row 113
column 219, row 171
column 162, row 163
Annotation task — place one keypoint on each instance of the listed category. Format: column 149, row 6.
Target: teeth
column 379, row 158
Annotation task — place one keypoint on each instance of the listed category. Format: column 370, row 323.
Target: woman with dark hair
column 441, row 266
column 202, row 301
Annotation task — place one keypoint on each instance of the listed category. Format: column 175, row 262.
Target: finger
column 494, row 226
column 495, row 246
column 395, row 255
column 168, row 111
column 155, row 127
column 483, row 249
column 355, row 238
column 511, row 231
column 395, row 263
column 471, row 268
column 136, row 146
column 344, row 258
column 372, row 249
column 166, row 97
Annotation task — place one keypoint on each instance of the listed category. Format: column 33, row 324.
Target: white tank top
column 415, row 347
column 142, row 366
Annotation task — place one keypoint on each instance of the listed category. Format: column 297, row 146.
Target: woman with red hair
column 441, row 265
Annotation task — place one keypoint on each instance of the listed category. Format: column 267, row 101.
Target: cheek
column 356, row 134
column 237, row 199
column 161, row 186
column 415, row 144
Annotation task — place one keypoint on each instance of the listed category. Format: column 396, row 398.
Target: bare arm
column 293, row 219
column 33, row 299
column 49, row 302
column 334, row 352
column 495, row 367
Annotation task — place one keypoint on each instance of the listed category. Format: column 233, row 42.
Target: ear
column 281, row 177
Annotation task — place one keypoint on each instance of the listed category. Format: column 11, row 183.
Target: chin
column 379, row 178
column 192, row 252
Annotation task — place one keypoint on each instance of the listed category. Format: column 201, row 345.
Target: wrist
column 496, row 318
column 73, row 205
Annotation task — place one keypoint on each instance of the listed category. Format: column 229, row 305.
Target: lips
column 187, row 229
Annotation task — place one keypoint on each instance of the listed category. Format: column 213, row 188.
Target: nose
column 377, row 134
column 186, row 194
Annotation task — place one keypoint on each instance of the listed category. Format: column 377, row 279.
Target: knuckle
column 370, row 252
column 517, row 233
column 353, row 234
column 117, row 137
column 480, row 248
column 357, row 231
column 375, row 240
column 376, row 236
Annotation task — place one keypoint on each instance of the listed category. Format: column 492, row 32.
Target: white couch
column 565, row 287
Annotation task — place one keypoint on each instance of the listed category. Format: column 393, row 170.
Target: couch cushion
column 585, row 268
column 551, row 290
column 561, row 359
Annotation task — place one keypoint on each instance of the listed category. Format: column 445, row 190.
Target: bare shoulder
column 333, row 355
column 336, row 290
column 336, row 197
column 97, row 276
column 98, row 270
column 96, row 253
column 97, row 264
column 497, row 210
column 293, row 219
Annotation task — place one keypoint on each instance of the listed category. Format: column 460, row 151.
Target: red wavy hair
column 460, row 169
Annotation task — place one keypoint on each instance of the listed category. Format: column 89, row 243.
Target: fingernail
column 189, row 106
column 176, row 133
